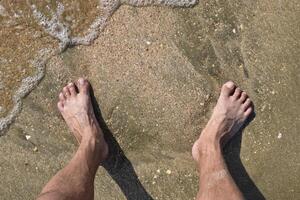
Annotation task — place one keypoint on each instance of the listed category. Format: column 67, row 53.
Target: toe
column 66, row 92
column 237, row 93
column 83, row 85
column 243, row 97
column 60, row 106
column 72, row 89
column 61, row 97
column 247, row 104
column 228, row 88
column 248, row 111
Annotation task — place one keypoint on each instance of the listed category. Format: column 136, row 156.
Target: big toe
column 228, row 88
column 83, row 85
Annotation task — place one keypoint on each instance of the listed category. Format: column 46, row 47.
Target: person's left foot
column 76, row 108
column 229, row 116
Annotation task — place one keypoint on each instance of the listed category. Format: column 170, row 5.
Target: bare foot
column 76, row 108
column 229, row 115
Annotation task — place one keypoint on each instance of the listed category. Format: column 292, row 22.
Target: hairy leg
column 229, row 115
column 76, row 180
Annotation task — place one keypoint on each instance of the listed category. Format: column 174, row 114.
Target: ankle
column 94, row 142
column 91, row 130
column 207, row 149
column 89, row 140
column 208, row 143
column 209, row 134
column 95, row 149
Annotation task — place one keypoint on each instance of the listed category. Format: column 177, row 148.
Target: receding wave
column 49, row 31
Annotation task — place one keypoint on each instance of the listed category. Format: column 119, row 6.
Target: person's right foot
column 229, row 115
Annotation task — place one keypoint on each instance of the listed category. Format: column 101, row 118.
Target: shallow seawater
column 22, row 38
column 32, row 31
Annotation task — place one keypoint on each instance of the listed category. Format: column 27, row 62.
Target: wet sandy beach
column 156, row 73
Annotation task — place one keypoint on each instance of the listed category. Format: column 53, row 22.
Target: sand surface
column 156, row 74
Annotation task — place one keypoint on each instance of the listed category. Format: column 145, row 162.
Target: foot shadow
column 117, row 164
column 236, row 168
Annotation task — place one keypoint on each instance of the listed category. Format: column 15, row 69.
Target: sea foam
column 27, row 85
column 60, row 31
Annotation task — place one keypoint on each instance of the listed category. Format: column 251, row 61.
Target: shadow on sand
column 117, row 164
column 236, row 168
column 121, row 170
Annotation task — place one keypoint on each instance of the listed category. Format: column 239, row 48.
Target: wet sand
column 156, row 73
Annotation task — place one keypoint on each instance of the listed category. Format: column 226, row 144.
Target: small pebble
column 27, row 137
column 168, row 172
column 279, row 135
column 233, row 30
column 273, row 92
column 68, row 18
column 158, row 171
column 35, row 149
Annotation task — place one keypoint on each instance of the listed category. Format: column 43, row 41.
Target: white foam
column 27, row 85
column 60, row 31
column 54, row 26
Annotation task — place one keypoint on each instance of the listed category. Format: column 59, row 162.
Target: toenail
column 230, row 84
column 70, row 84
column 81, row 80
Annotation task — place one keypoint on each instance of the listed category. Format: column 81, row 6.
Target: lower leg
column 215, row 179
column 76, row 180
column 230, row 114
